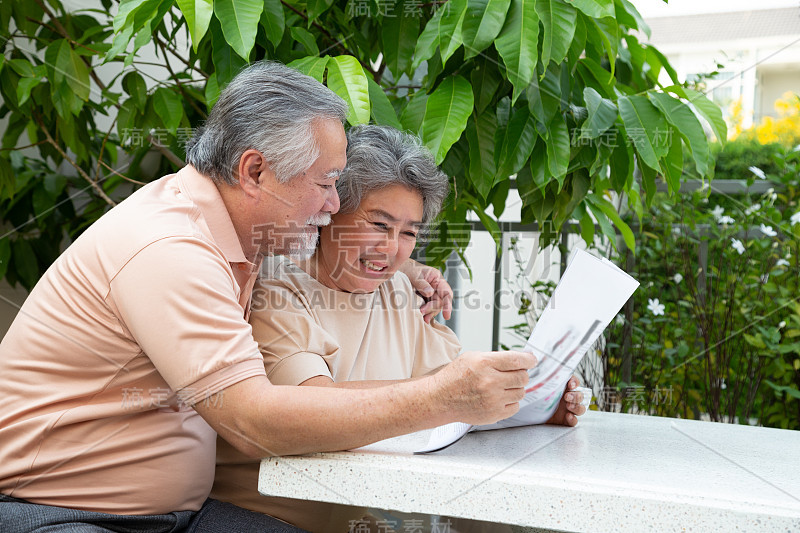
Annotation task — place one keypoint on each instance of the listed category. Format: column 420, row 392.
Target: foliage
column 562, row 94
column 727, row 271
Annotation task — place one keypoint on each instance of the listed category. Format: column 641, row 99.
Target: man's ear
column 253, row 170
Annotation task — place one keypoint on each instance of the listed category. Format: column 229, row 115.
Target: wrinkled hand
column 483, row 387
column 430, row 283
column 569, row 406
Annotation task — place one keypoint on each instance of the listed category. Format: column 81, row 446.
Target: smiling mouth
column 372, row 266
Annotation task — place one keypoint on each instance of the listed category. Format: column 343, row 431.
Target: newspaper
column 590, row 294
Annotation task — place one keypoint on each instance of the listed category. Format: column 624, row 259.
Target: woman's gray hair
column 379, row 156
column 268, row 107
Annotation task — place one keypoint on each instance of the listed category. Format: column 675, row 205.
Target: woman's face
column 358, row 251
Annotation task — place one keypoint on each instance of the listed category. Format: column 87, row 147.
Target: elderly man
column 133, row 351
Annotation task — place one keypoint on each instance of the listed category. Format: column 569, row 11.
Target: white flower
column 717, row 212
column 782, row 324
column 752, row 209
column 768, row 231
column 677, row 278
column 676, row 230
column 781, row 263
column 758, row 172
column 737, row 245
column 795, row 218
column 725, row 219
column 773, row 196
column 655, row 307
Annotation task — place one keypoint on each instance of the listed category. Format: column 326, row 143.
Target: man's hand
column 569, row 407
column 483, row 387
column 430, row 283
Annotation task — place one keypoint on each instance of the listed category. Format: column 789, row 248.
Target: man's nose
column 332, row 202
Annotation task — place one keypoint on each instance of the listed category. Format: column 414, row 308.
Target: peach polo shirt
column 305, row 329
column 144, row 315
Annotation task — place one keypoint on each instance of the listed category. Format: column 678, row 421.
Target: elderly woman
column 345, row 317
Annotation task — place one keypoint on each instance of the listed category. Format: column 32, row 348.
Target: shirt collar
column 204, row 193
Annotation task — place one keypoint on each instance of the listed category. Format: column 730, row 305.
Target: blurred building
column 755, row 52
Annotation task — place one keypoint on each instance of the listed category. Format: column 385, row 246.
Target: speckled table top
column 613, row 472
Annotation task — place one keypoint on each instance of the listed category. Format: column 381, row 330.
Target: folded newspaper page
column 590, row 294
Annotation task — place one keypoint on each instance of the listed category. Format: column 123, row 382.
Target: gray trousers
column 20, row 516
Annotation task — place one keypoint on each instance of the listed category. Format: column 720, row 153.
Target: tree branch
column 96, row 186
column 178, row 83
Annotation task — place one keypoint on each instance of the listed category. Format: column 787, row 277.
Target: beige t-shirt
column 305, row 329
column 141, row 317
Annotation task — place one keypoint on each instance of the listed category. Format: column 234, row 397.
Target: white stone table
column 611, row 473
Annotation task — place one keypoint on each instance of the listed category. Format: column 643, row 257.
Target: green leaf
column 239, row 21
column 25, row 263
column 306, row 38
column 684, row 120
column 709, row 111
column 446, row 114
column 607, row 32
column 646, row 127
column 428, row 40
column 482, row 24
column 518, row 140
column 24, row 89
column 198, row 16
column 558, row 19
column 621, row 161
column 544, row 96
column 480, row 134
column 7, row 184
column 5, row 255
column 491, row 226
column 632, row 14
column 399, row 34
column 518, row 45
column 227, row 63
column 311, row 66
column 382, row 110
column 414, row 112
column 485, row 79
column 134, row 85
column 67, row 67
column 595, row 8
column 127, row 9
column 22, row 67
column 587, row 228
column 347, row 79
column 558, row 149
column 602, row 114
column 274, row 21
column 597, row 77
column 169, row 108
column 608, row 209
column 450, row 27
column 212, row 91
column 672, row 166
column 316, row 8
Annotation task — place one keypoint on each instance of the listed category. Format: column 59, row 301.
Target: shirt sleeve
column 436, row 344
column 178, row 299
column 294, row 345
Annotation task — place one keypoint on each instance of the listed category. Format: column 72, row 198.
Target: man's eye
column 326, row 186
column 380, row 225
column 410, row 234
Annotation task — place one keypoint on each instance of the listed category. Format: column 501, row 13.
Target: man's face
column 291, row 212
